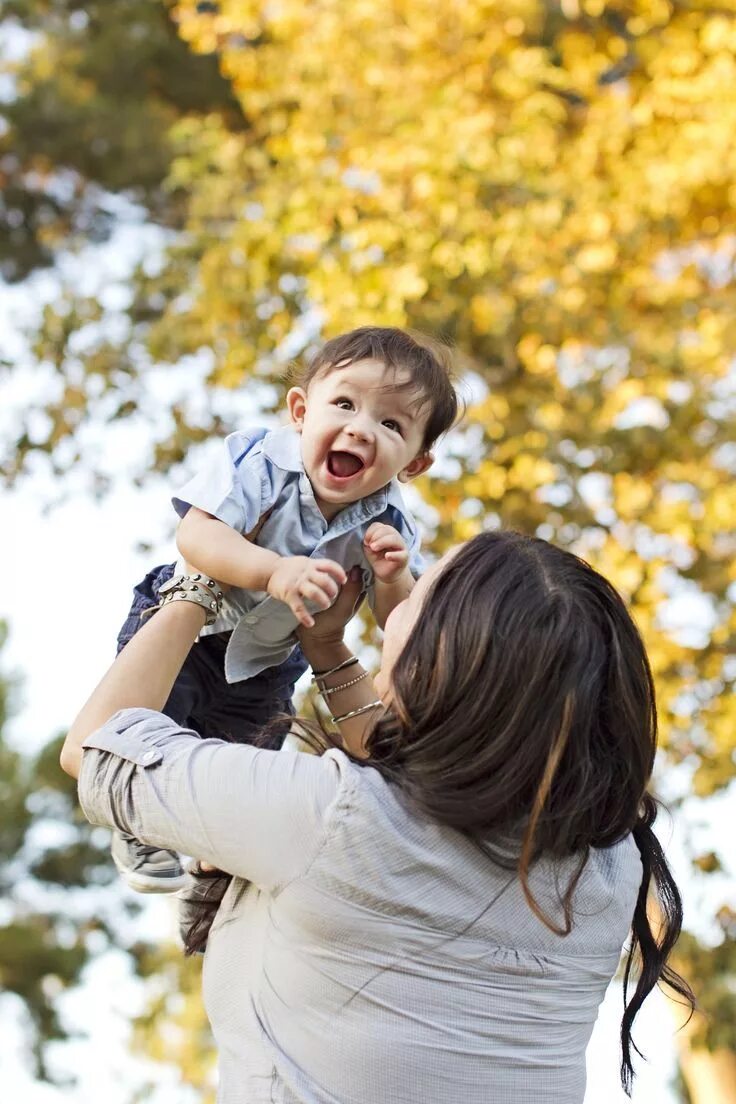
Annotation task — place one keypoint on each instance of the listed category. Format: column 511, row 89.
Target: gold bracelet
column 357, row 712
column 326, row 692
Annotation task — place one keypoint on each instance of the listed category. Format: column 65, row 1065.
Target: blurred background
column 194, row 194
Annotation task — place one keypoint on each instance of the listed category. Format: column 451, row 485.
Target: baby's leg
column 145, row 597
column 244, row 712
column 188, row 693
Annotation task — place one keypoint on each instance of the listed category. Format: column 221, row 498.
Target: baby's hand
column 296, row 578
column 386, row 552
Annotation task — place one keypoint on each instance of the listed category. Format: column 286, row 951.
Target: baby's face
column 358, row 432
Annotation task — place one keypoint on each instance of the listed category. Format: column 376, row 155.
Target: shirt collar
column 395, row 498
column 283, row 447
column 373, row 506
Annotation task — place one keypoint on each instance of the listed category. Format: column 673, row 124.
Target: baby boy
column 280, row 517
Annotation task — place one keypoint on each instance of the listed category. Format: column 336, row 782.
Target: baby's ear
column 419, row 464
column 296, row 404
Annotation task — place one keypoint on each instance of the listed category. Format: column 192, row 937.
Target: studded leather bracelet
column 199, row 589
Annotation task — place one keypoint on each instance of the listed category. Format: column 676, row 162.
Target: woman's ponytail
column 652, row 949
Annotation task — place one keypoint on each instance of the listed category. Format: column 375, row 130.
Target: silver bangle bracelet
column 319, row 675
column 357, row 712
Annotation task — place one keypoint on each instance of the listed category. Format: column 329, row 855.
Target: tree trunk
column 709, row 1075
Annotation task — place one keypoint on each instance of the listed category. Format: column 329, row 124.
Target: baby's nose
column 361, row 429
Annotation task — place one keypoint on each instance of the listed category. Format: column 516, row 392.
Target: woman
column 434, row 913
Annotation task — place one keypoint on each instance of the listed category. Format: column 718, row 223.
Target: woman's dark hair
column 523, row 707
column 428, row 362
column 523, row 704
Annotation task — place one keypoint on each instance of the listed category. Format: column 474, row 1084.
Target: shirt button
column 251, row 619
column 149, row 756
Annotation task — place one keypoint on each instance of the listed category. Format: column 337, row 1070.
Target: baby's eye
column 344, row 404
column 391, row 423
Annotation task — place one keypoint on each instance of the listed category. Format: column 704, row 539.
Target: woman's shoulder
column 374, row 812
column 361, row 786
column 612, row 877
column 619, row 861
column 604, row 897
column 372, row 816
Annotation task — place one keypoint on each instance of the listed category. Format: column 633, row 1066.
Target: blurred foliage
column 173, row 1027
column 54, row 870
column 718, row 964
column 549, row 185
column 95, row 101
column 64, row 905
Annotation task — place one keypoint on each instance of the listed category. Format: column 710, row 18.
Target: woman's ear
column 296, row 404
column 419, row 464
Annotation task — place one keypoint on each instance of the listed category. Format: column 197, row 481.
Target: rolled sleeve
column 234, row 486
column 261, row 815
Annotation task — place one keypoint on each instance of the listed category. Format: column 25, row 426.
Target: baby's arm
column 389, row 557
column 222, row 552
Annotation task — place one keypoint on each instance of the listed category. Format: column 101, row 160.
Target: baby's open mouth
column 343, row 464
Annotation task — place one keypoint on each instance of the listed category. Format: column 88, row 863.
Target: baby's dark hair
column 429, row 364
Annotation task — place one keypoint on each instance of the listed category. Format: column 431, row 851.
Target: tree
column 64, row 905
column 549, row 185
column 97, row 95
column 41, row 952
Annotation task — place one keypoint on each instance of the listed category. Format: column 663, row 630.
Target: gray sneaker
column 145, row 868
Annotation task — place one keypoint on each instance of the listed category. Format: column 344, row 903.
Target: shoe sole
column 146, row 883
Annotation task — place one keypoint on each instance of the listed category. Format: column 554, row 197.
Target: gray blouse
column 363, row 953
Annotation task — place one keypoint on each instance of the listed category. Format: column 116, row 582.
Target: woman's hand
column 353, row 699
column 329, row 625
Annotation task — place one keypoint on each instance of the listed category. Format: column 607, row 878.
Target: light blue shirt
column 258, row 472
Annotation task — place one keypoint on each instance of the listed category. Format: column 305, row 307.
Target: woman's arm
column 254, row 813
column 142, row 675
column 145, row 670
column 324, row 649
